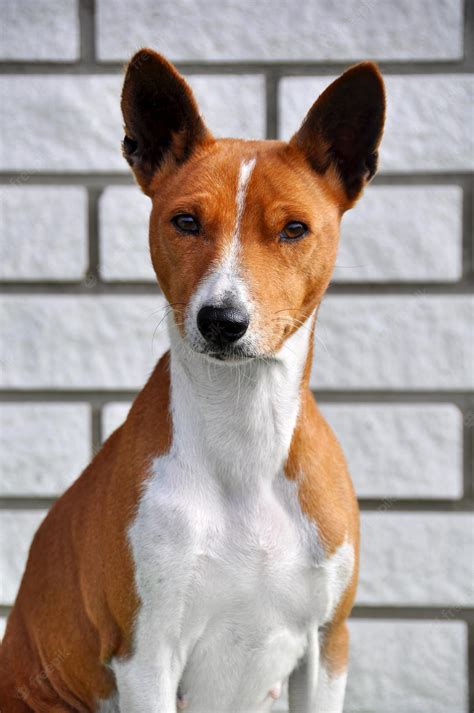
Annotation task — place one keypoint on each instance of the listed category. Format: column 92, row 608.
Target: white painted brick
column 361, row 342
column 43, row 447
column 245, row 30
column 415, row 341
column 396, row 233
column 416, row 558
column 402, row 234
column 73, row 123
column 81, row 342
column 232, row 105
column 17, row 528
column 113, row 415
column 66, row 123
column 46, row 30
column 43, row 233
column 123, row 222
column 429, row 119
column 400, row 665
column 401, row 451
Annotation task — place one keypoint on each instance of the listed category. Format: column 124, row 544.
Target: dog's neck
column 237, row 421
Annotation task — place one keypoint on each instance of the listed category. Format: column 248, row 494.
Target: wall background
column 394, row 368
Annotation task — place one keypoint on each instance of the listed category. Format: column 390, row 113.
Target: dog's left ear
column 344, row 127
column 160, row 114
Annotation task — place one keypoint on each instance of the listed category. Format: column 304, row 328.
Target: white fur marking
column 232, row 576
column 246, row 168
column 331, row 690
column 224, row 280
column 109, row 705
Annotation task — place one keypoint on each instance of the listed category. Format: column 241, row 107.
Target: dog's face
column 243, row 239
column 244, row 234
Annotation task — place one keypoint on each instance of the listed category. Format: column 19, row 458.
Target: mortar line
column 96, row 429
column 436, row 613
column 396, row 505
column 468, row 229
column 105, row 178
column 468, row 451
column 463, row 399
column 470, row 663
column 468, row 58
column 87, row 33
column 429, row 613
column 93, row 278
column 320, row 67
column 271, row 96
column 399, row 506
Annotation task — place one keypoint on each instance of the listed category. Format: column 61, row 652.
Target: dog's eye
column 186, row 223
column 294, row 230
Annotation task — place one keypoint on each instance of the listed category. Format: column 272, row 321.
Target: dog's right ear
column 160, row 114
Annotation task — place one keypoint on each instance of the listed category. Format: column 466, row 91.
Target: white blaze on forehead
column 245, row 171
column 225, row 277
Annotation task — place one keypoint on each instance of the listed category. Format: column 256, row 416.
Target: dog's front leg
column 303, row 683
column 147, row 681
column 318, row 684
column 333, row 668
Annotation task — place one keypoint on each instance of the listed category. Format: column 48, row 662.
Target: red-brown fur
column 76, row 605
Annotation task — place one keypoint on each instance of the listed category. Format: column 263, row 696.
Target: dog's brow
column 202, row 197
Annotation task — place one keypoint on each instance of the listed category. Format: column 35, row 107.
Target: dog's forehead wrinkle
column 212, row 182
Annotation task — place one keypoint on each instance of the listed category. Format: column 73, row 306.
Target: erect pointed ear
column 160, row 114
column 344, row 127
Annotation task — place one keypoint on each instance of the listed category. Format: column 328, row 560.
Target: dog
column 209, row 553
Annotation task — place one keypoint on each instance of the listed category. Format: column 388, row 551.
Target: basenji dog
column 208, row 556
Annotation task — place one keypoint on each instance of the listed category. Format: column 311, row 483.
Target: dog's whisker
column 320, row 340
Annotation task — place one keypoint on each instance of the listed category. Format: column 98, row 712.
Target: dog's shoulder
column 317, row 463
column 326, row 496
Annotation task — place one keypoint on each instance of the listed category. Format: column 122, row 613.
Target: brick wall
column 394, row 369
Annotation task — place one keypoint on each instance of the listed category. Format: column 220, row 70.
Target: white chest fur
column 231, row 575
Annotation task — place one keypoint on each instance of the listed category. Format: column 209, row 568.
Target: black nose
column 222, row 325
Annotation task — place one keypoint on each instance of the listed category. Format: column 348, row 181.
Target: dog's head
column 244, row 234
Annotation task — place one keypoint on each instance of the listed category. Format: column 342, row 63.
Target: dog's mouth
column 231, row 355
